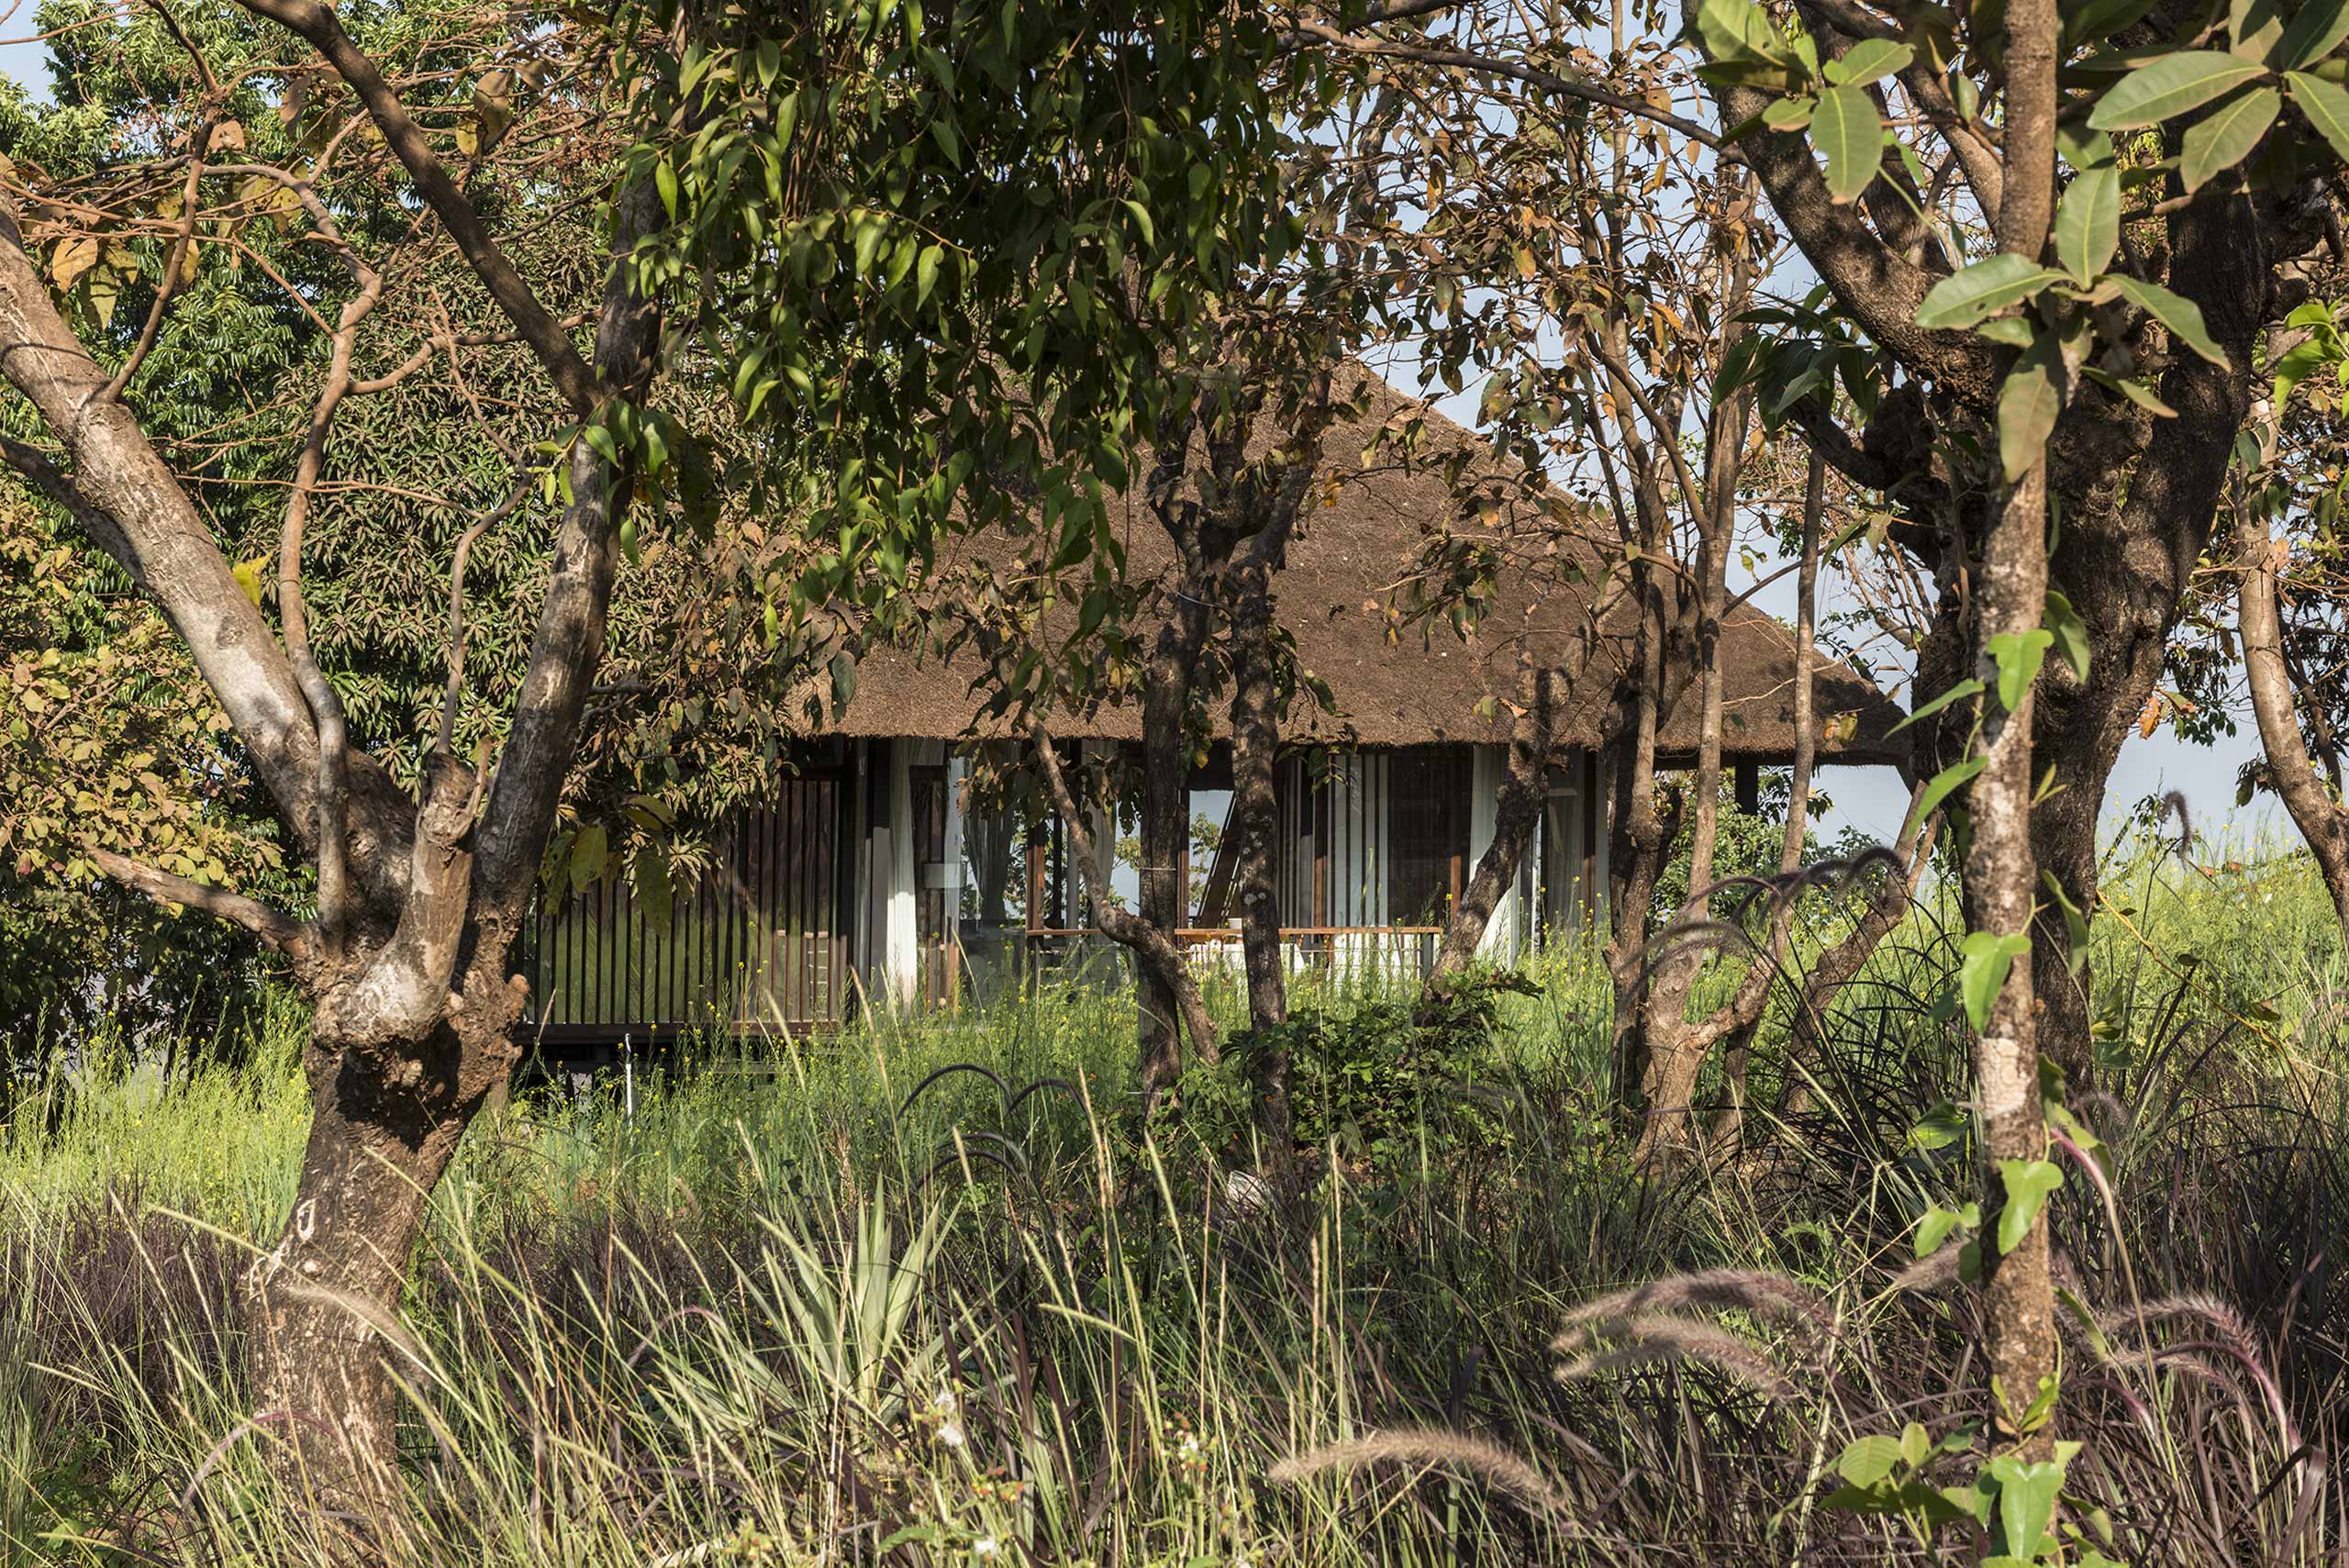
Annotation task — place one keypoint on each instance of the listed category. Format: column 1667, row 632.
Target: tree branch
column 317, row 26
column 279, row 931
column 1533, row 76
column 569, row 643
column 135, row 510
column 1875, row 284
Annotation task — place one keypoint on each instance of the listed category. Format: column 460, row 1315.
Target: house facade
column 876, row 876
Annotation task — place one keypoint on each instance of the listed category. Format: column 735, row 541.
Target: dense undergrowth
column 939, row 1292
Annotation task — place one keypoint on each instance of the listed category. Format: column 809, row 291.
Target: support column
column 901, row 944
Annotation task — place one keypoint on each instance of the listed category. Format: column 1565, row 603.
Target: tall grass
column 937, row 1291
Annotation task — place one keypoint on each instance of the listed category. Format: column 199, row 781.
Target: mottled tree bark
column 2001, row 871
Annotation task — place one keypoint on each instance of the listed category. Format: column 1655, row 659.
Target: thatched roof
column 1411, row 684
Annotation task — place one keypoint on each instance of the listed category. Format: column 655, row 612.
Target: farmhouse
column 874, row 876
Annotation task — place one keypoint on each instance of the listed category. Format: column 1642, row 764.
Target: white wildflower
column 986, row 1546
column 951, row 1434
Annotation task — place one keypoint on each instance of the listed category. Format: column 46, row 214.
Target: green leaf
column 1938, row 1129
column 2029, row 401
column 2018, row 656
column 2170, row 84
column 2135, row 391
column 664, row 180
column 1868, row 1459
column 1789, row 114
column 2297, row 363
column 2027, row 1188
column 1915, row 1445
column 1987, row 286
column 942, row 130
column 590, row 855
column 1936, row 1228
column 2083, row 148
column 2088, row 223
column 2326, row 105
column 2181, row 316
column 926, row 273
column 2227, row 136
column 1851, row 136
column 1870, row 59
column 2316, row 32
column 1983, row 962
column 653, row 891
column 1739, row 30
column 2252, row 28
column 843, row 673
column 2070, row 632
column 1142, row 221
column 1966, row 688
column 1944, row 783
column 2026, row 1498
column 248, row 576
column 2076, row 924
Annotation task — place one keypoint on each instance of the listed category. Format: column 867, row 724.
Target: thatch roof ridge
column 1408, row 685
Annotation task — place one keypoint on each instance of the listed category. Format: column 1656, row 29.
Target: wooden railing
column 1323, row 945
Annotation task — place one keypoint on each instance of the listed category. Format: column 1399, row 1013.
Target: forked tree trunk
column 1159, row 961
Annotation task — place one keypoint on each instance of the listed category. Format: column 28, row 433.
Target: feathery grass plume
column 1648, row 1339
column 1490, row 1463
column 1837, row 876
column 2228, row 1336
column 1772, row 1297
column 1936, row 1270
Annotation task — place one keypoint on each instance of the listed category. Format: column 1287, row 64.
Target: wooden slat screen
column 758, row 940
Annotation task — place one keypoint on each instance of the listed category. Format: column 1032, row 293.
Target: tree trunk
column 1677, row 1049
column 323, row 1305
column 1154, row 952
column 1166, row 818
column 1255, row 817
column 1736, row 1059
column 2002, row 869
column 2318, row 815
